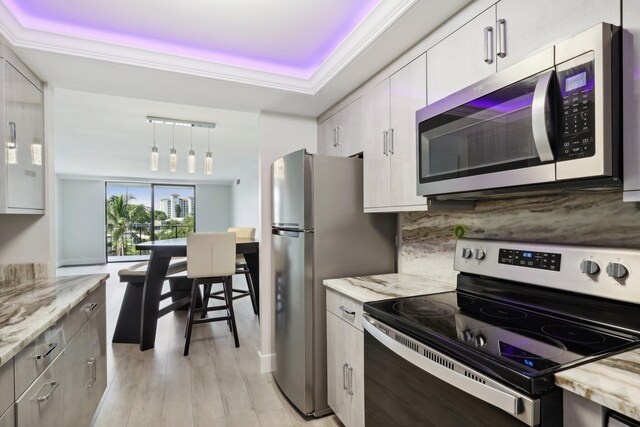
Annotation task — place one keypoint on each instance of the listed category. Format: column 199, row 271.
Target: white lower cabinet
column 345, row 371
column 68, row 389
column 86, row 373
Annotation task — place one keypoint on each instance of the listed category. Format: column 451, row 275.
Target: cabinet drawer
column 345, row 308
column 38, row 355
column 84, row 311
column 6, row 386
column 42, row 404
column 8, row 419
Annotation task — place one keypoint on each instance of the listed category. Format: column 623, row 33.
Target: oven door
column 409, row 384
column 498, row 133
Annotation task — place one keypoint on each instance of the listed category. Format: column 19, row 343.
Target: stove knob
column 479, row 254
column 480, row 341
column 589, row 267
column 467, row 335
column 617, row 271
column 466, row 253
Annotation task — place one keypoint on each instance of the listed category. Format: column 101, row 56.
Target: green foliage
column 120, row 216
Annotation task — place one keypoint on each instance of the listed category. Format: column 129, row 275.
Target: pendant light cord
column 191, row 137
column 154, row 135
column 173, row 143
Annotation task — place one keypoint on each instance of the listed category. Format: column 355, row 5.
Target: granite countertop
column 613, row 382
column 386, row 286
column 28, row 308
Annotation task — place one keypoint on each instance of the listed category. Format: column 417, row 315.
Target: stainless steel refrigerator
column 319, row 231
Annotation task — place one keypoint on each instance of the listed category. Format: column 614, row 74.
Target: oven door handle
column 510, row 403
column 539, row 125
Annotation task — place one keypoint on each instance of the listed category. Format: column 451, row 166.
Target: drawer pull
column 50, row 347
column 88, row 308
column 345, row 369
column 91, row 364
column 347, row 312
column 53, row 384
column 350, row 375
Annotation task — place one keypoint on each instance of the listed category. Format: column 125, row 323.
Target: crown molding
column 359, row 40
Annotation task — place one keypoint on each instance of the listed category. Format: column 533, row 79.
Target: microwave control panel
column 577, row 115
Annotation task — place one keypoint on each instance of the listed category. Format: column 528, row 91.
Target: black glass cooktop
column 520, row 345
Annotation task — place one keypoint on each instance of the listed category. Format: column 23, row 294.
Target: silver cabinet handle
column 344, row 375
column 91, row 365
column 53, row 384
column 13, row 138
column 338, row 139
column 350, row 375
column 50, row 347
column 488, row 45
column 385, row 142
column 347, row 312
column 502, row 38
column 88, row 308
column 391, row 141
column 539, row 109
column 334, row 136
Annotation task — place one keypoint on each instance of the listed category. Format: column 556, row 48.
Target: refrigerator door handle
column 286, row 233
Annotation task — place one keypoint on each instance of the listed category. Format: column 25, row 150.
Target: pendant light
column 208, row 161
column 36, row 154
column 173, row 156
column 191, row 160
column 155, row 156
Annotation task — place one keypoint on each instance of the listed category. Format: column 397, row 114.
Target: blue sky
column 142, row 193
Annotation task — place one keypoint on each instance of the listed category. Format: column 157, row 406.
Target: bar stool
column 210, row 260
column 242, row 268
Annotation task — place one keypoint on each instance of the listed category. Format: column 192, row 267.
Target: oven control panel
column 612, row 273
column 530, row 259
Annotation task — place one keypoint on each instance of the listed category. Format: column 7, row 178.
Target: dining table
column 161, row 253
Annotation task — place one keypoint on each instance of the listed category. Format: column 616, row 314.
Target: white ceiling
column 175, row 55
column 108, row 136
column 113, row 63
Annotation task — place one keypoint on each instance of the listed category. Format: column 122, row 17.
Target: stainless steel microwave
column 548, row 122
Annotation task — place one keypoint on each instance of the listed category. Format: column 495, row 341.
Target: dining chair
column 210, row 260
column 242, row 268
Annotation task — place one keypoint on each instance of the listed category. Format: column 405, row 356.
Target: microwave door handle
column 539, row 107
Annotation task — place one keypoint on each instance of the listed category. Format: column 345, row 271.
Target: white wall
column 279, row 135
column 245, row 199
column 81, row 226
column 213, row 207
column 31, row 238
column 80, row 229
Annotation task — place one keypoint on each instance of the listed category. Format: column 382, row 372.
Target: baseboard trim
column 267, row 362
column 80, row 261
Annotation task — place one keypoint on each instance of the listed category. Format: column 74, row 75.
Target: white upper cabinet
column 526, row 27
column 408, row 93
column 341, row 134
column 390, row 140
column 463, row 57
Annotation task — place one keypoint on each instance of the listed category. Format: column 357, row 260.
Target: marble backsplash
column 601, row 219
column 14, row 273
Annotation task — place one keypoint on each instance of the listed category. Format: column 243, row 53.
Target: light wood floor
column 216, row 385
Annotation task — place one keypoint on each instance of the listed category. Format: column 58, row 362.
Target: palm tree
column 120, row 214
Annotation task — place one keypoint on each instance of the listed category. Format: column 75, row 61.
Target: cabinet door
column 97, row 360
column 408, row 94
column 8, row 419
column 42, row 404
column 530, row 26
column 326, row 137
column 337, row 365
column 76, row 377
column 356, row 362
column 631, row 99
column 24, row 128
column 376, row 166
column 350, row 127
column 459, row 60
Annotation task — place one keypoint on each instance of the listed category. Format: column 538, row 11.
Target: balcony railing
column 139, row 233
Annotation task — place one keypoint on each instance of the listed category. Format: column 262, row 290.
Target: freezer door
column 291, row 180
column 294, row 316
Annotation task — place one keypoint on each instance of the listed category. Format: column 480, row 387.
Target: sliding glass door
column 140, row 212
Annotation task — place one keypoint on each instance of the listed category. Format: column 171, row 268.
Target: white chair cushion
column 211, row 255
column 243, row 232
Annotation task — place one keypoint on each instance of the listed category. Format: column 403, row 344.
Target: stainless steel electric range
column 486, row 353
